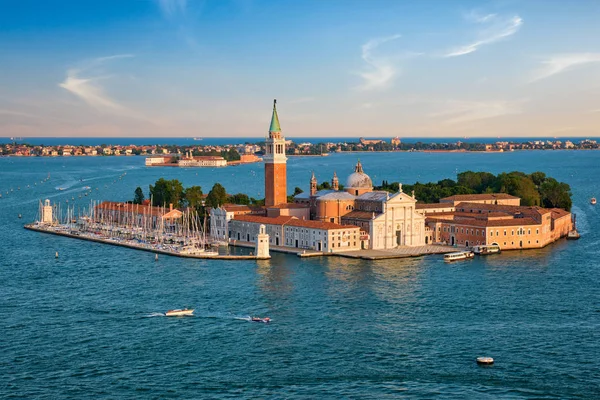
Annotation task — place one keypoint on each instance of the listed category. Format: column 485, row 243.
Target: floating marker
column 156, row 257
column 56, row 255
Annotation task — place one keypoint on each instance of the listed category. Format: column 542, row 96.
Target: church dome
column 358, row 179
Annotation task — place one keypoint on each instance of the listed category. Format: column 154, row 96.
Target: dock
column 39, row 228
column 399, row 252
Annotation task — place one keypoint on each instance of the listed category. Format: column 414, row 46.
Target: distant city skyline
column 378, row 68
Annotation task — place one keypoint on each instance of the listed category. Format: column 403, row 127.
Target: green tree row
column 535, row 189
column 165, row 192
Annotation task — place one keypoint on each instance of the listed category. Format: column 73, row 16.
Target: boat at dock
column 180, row 312
column 485, row 249
column 459, row 255
column 573, row 235
column 593, row 201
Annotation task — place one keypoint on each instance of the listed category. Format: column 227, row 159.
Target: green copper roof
column 275, row 119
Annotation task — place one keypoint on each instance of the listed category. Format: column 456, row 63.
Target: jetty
column 59, row 231
column 169, row 232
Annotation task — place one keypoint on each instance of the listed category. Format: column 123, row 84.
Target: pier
column 141, row 246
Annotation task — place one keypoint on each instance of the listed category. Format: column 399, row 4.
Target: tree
column 165, row 192
column 538, row 178
column 138, row 197
column 193, row 197
column 556, row 194
column 324, row 186
column 239, row 198
column 217, row 196
column 297, row 191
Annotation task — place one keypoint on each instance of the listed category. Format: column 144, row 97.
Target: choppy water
column 90, row 324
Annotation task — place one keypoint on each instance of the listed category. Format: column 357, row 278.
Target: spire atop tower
column 335, row 183
column 275, row 119
column 313, row 184
column 358, row 167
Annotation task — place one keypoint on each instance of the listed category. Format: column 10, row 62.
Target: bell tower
column 275, row 164
column 313, row 184
column 335, row 183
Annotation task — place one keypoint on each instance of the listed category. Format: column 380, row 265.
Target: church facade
column 387, row 220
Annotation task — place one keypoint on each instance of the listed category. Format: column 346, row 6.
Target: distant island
column 236, row 152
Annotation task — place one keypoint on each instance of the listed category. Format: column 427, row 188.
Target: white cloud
column 171, row 8
column 458, row 111
column 497, row 28
column 381, row 70
column 562, row 62
column 90, row 90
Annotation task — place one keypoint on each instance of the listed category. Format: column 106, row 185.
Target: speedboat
column 593, row 201
column 265, row 320
column 179, row 313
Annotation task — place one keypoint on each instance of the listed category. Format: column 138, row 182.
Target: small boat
column 460, row 255
column 485, row 249
column 265, row 320
column 485, row 360
column 179, row 313
column 593, row 201
column 573, row 235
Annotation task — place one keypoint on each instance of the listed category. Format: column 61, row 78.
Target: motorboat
column 593, row 201
column 265, row 320
column 459, row 255
column 573, row 235
column 180, row 313
column 485, row 249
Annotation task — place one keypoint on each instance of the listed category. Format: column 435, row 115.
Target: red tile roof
column 422, row 206
column 319, row 224
column 281, row 220
column 483, row 196
column 291, row 221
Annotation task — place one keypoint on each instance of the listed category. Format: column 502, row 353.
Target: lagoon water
column 89, row 324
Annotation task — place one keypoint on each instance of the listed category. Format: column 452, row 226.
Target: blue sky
column 338, row 68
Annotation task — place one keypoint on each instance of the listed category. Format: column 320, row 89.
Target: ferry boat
column 460, row 255
column 485, row 249
column 179, row 313
column 593, row 201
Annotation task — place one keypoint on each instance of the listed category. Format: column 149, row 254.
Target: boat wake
column 155, row 314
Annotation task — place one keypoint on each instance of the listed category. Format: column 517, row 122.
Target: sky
column 372, row 68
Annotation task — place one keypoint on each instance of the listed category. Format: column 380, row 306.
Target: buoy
column 20, row 216
column 156, row 257
column 485, row 360
column 56, row 255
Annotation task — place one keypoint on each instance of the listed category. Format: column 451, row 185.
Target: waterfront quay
column 399, row 252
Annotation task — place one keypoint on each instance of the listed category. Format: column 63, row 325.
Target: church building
column 389, row 219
